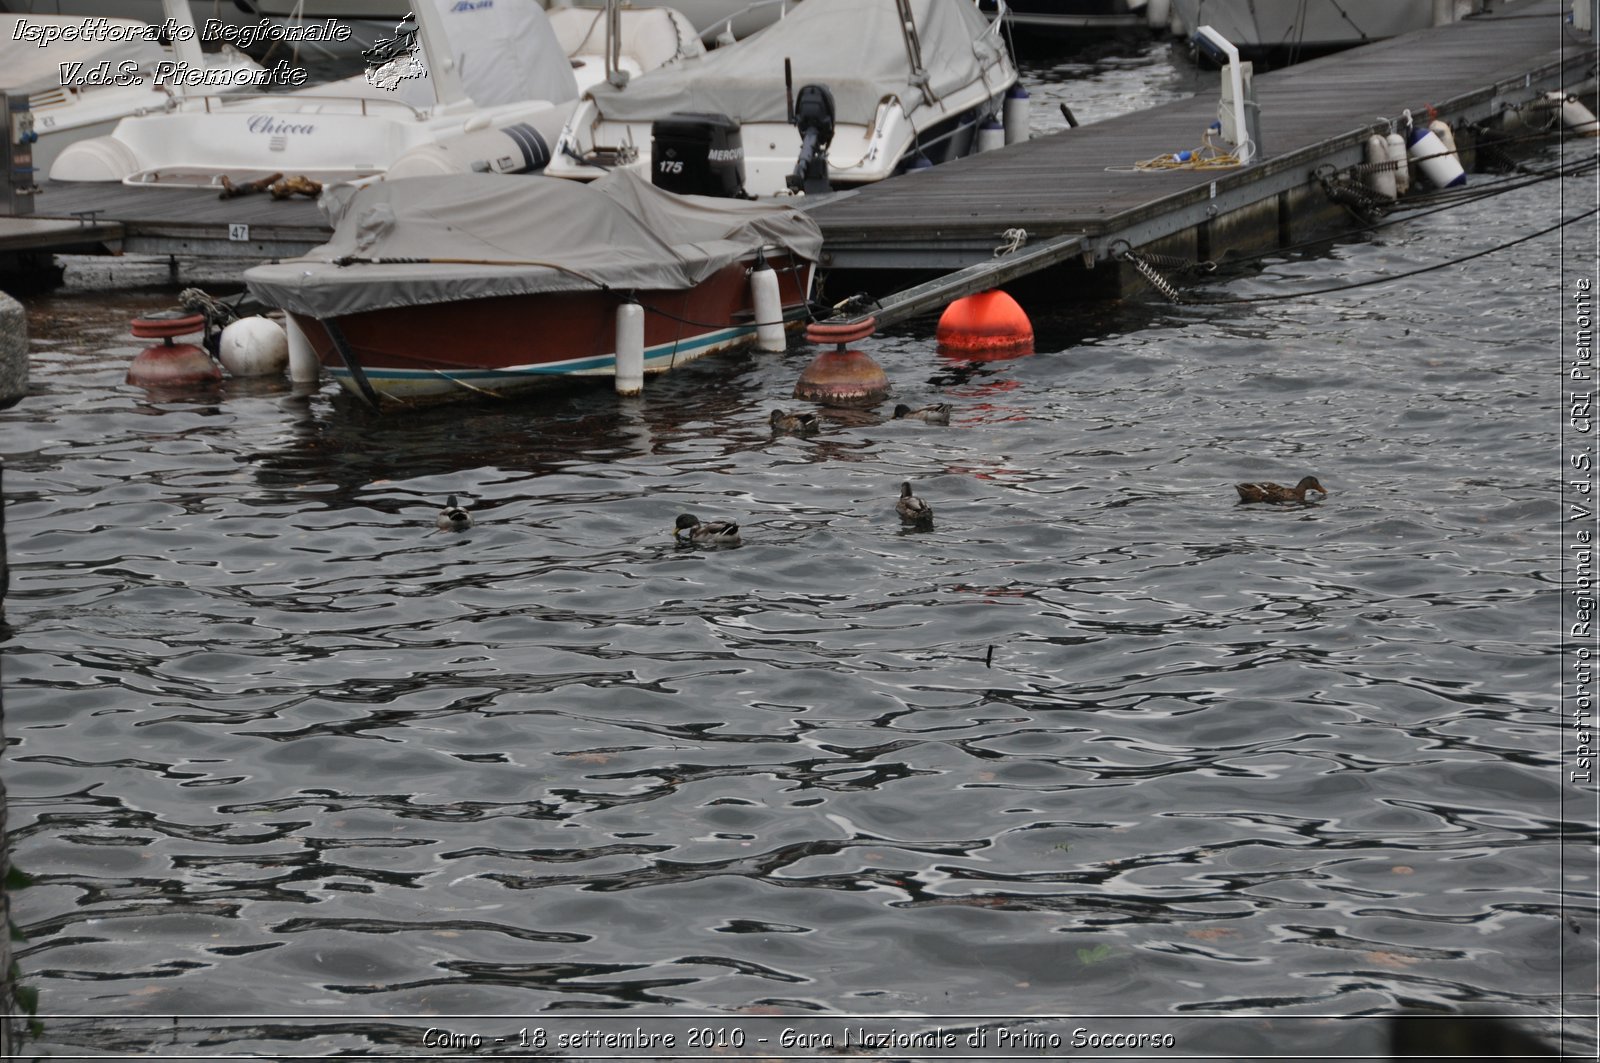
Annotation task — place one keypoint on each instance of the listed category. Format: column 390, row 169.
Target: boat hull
column 1071, row 17
column 514, row 344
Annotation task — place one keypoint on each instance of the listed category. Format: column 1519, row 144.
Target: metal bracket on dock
column 971, row 280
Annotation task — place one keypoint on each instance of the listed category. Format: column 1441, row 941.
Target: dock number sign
column 238, row 232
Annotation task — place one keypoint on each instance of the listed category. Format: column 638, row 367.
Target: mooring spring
column 1157, row 281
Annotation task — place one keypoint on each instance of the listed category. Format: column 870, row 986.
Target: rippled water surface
column 1099, row 742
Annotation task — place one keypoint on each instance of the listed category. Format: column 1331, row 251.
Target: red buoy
column 985, row 323
column 168, row 364
column 842, row 377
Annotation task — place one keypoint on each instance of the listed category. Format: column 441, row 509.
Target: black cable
column 1409, row 273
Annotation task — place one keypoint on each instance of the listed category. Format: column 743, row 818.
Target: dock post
column 17, row 183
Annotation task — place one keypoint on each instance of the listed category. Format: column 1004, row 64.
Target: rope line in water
column 1402, row 276
column 1451, row 198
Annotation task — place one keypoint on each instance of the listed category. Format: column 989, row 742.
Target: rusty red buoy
column 167, row 364
column 985, row 324
column 842, row 377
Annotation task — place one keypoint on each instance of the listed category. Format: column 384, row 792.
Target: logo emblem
column 394, row 59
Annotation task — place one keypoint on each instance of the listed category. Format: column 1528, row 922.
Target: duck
column 795, row 424
column 453, row 518
column 937, row 413
column 1271, row 492
column 912, row 509
column 690, row 529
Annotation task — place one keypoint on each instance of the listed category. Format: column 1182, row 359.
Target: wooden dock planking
column 185, row 220
column 1060, row 184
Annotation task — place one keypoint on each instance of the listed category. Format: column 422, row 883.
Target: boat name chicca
column 265, row 123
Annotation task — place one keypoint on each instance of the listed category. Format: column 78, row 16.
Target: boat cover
column 855, row 47
column 476, row 236
column 506, row 52
column 27, row 67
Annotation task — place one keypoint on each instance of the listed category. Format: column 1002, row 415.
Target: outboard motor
column 698, row 155
column 813, row 116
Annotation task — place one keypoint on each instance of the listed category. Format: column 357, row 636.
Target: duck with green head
column 691, row 529
column 453, row 518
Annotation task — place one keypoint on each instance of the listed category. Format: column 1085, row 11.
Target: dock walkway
column 1075, row 183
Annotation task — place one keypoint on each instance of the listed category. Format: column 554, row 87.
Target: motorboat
column 486, row 86
column 81, row 84
column 838, row 93
column 1279, row 28
column 717, row 21
column 456, row 287
column 1071, row 17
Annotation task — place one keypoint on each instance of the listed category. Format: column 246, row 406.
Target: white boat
column 838, row 93
column 486, row 87
column 1287, row 27
column 82, row 88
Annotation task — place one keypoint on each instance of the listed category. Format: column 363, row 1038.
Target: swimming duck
column 453, row 518
column 795, row 424
column 1271, row 492
column 912, row 509
column 937, row 413
column 689, row 529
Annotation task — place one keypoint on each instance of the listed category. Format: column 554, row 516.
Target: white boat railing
column 279, row 97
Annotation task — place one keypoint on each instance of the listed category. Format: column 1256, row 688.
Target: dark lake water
column 289, row 763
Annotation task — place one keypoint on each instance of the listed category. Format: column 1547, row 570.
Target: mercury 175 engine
column 698, row 154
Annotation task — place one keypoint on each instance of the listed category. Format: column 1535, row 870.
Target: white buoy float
column 1401, row 161
column 1438, row 164
column 991, row 135
column 1574, row 115
column 304, row 367
column 1016, row 114
column 630, row 349
column 254, row 346
column 1446, row 136
column 1380, row 174
column 764, row 296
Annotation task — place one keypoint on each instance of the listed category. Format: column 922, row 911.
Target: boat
column 1070, row 18
column 462, row 286
column 839, row 93
column 79, row 88
column 1266, row 29
column 487, row 86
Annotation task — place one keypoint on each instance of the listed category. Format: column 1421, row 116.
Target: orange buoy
column 842, row 377
column 987, row 322
column 167, row 364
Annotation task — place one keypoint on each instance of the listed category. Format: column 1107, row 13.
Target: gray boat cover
column 855, row 47
column 476, row 236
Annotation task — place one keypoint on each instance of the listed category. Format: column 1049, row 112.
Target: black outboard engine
column 698, row 154
column 813, row 116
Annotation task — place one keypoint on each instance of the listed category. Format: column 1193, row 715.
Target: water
column 1102, row 742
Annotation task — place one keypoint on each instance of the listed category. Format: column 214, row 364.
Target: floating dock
column 1072, row 196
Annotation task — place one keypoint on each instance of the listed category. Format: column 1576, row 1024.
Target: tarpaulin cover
column 478, row 236
column 854, row 47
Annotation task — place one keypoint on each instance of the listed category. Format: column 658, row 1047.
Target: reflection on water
column 1103, row 741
